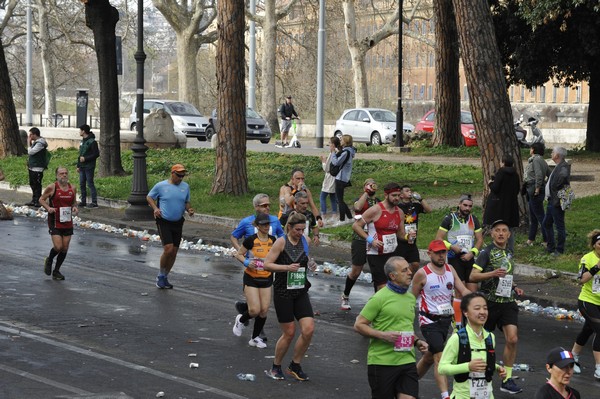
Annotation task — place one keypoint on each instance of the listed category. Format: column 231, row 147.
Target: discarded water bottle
column 246, row 377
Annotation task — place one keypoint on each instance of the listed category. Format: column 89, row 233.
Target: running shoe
column 82, row 204
column 597, row 373
column 160, row 282
column 257, row 342
column 56, row 275
column 275, row 373
column 345, row 303
column 297, row 373
column 238, row 326
column 168, row 285
column 576, row 366
column 92, row 205
column 262, row 335
column 241, row 307
column 510, row 387
column 47, row 266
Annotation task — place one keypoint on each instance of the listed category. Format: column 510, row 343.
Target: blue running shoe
column 160, row 282
column 510, row 387
column 168, row 285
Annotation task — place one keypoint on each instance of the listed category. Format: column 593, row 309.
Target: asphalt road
column 108, row 332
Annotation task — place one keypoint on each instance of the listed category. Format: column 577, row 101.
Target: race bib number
column 479, row 388
column 408, row 227
column 445, row 309
column 504, row 288
column 390, row 242
column 405, row 341
column 465, row 241
column 64, row 214
column 596, row 284
column 296, row 280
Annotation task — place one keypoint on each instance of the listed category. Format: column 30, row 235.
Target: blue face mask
column 396, row 288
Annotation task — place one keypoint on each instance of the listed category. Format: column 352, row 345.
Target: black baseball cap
column 497, row 222
column 262, row 218
column 560, row 357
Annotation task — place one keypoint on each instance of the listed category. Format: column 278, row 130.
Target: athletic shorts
column 463, row 269
column 410, row 252
column 286, row 125
column 387, row 381
column 591, row 314
column 501, row 314
column 170, row 232
column 263, row 282
column 288, row 309
column 376, row 263
column 436, row 333
column 358, row 249
column 54, row 231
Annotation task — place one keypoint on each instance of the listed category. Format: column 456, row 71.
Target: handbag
column 566, row 195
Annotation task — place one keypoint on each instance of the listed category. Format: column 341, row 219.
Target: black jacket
column 502, row 203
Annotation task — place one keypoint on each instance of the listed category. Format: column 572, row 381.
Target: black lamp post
column 138, row 206
column 400, row 112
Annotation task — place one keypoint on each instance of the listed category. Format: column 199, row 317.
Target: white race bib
column 64, row 214
column 596, row 284
column 390, row 242
column 408, row 227
column 479, row 388
column 504, row 288
column 465, row 241
column 445, row 309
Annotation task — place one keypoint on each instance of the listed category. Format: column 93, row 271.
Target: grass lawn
column 267, row 171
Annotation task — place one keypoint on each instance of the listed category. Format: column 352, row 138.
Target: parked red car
column 427, row 123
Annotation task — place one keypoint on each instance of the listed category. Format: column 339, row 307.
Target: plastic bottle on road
column 246, row 377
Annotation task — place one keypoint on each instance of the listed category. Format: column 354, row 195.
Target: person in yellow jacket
column 589, row 302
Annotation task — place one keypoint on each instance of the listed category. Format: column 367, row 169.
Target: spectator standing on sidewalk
column 555, row 215
column 534, row 178
column 589, row 302
column 287, row 113
column 358, row 249
column 60, row 200
column 328, row 186
column 342, row 180
column 36, row 164
column 503, row 200
column 388, row 320
column 169, row 200
column 86, row 165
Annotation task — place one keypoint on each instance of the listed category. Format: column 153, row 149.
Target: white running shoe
column 345, row 303
column 238, row 326
column 257, row 342
column 597, row 372
column 576, row 366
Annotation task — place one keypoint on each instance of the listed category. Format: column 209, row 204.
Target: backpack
column 334, row 170
column 47, row 158
column 464, row 355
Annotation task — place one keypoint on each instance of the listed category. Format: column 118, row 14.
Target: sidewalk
column 542, row 286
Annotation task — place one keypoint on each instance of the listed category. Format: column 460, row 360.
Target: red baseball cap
column 437, row 245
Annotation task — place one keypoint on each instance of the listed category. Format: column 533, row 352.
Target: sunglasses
column 264, row 205
column 180, row 175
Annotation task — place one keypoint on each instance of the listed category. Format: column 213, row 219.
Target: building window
column 578, row 93
column 566, row 96
column 416, row 60
column 543, row 94
column 465, row 93
column 554, row 93
column 522, row 93
column 422, row 92
column 430, row 92
column 512, row 93
column 532, row 94
column 415, row 91
column 431, row 59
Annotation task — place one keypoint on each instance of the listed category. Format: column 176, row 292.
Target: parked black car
column 257, row 128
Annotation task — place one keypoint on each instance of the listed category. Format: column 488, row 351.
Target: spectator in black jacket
column 86, row 165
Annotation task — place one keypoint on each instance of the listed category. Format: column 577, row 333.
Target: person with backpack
column 341, row 168
column 86, row 165
column 36, row 163
column 469, row 355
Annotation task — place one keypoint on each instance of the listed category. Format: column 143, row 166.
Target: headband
column 392, row 190
column 595, row 239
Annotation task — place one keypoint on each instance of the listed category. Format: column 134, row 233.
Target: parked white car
column 187, row 119
column 369, row 125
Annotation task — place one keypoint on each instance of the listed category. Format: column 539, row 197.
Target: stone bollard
column 213, row 141
column 158, row 131
column 23, row 136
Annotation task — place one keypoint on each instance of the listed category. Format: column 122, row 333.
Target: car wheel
column 266, row 141
column 133, row 125
column 338, row 134
column 210, row 131
column 375, row 139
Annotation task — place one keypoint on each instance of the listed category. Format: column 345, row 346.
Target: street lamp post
column 29, row 67
column 400, row 111
column 138, row 206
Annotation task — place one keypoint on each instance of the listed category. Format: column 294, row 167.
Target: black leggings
column 340, row 186
column 591, row 314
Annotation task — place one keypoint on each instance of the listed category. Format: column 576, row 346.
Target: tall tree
column 447, row 95
column 102, row 19
column 190, row 19
column 552, row 39
column 487, row 86
column 46, row 57
column 230, row 167
column 10, row 142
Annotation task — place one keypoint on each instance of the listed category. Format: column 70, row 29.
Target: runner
column 287, row 191
column 559, row 363
column 412, row 204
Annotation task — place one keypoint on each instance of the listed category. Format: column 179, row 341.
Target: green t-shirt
column 588, row 261
column 390, row 311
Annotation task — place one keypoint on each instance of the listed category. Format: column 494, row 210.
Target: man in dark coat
column 502, row 203
column 555, row 215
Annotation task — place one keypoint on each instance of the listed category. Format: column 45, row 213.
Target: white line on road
column 43, row 380
column 119, row 362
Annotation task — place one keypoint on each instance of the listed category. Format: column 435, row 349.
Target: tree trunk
column 187, row 48
column 592, row 135
column 357, row 56
column 447, row 95
column 268, row 99
column 102, row 18
column 487, row 89
column 230, row 167
column 46, row 56
column 10, row 142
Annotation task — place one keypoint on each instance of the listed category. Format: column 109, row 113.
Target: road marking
column 119, row 362
column 43, row 380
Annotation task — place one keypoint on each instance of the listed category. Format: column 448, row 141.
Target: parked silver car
column 186, row 118
column 369, row 125
column 257, row 128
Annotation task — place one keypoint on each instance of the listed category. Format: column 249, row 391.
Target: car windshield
column 183, row 109
column 466, row 118
column 384, row 116
column 250, row 113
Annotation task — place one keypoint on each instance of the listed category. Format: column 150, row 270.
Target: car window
column 350, row 116
column 384, row 116
column 362, row 115
column 250, row 113
column 430, row 117
column 179, row 108
column 150, row 105
column 466, row 117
